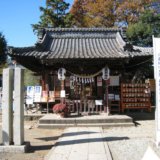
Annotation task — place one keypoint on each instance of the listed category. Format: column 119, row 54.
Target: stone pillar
column 19, row 107
column 7, row 108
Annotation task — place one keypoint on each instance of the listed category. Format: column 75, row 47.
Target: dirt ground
column 41, row 141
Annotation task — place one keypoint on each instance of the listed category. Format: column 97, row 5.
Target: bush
column 60, row 108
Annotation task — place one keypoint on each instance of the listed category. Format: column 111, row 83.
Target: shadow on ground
column 91, row 140
column 77, row 133
column 141, row 115
column 65, row 135
column 48, row 138
column 74, row 141
column 33, row 149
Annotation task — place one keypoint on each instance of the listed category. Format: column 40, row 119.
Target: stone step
column 55, row 120
column 84, row 121
column 104, row 125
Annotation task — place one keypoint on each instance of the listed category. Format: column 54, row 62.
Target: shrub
column 60, row 108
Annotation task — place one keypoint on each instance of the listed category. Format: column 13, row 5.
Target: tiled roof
column 82, row 43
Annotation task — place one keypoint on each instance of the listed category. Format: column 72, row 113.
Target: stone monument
column 13, row 119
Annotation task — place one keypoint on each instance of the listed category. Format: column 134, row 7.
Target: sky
column 16, row 17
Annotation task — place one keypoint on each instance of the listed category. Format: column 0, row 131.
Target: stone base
column 15, row 149
column 155, row 147
column 105, row 114
column 51, row 121
column 150, row 154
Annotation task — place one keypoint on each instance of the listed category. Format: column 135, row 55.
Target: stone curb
column 14, row 148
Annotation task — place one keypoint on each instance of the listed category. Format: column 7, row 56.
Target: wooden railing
column 84, row 107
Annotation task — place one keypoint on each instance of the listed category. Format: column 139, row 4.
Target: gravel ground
column 41, row 141
column 125, row 143
column 131, row 142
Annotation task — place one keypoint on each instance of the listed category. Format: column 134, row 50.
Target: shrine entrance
column 83, row 53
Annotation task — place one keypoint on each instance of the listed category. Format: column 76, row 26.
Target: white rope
column 85, row 76
column 139, row 63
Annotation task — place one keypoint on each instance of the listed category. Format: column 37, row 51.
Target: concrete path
column 80, row 143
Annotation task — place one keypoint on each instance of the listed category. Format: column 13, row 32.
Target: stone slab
column 80, row 143
column 15, row 149
column 104, row 125
column 51, row 121
column 150, row 154
column 113, row 117
column 32, row 117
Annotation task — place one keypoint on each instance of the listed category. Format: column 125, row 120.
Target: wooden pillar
column 45, row 87
column 62, row 89
column 73, row 107
column 77, row 107
column 85, row 105
column 80, row 110
column 106, row 107
column 96, row 108
column 43, row 82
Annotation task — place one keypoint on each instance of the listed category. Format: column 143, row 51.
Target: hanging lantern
column 61, row 74
column 82, row 80
column 105, row 73
column 76, row 79
column 71, row 78
column 85, row 80
column 71, row 82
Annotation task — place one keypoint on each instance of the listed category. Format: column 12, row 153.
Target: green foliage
column 141, row 32
column 54, row 15
column 4, row 65
column 3, row 46
column 128, row 11
column 30, row 79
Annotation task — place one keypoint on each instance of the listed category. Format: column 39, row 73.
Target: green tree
column 54, row 15
column 129, row 11
column 30, row 79
column 141, row 32
column 3, row 46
